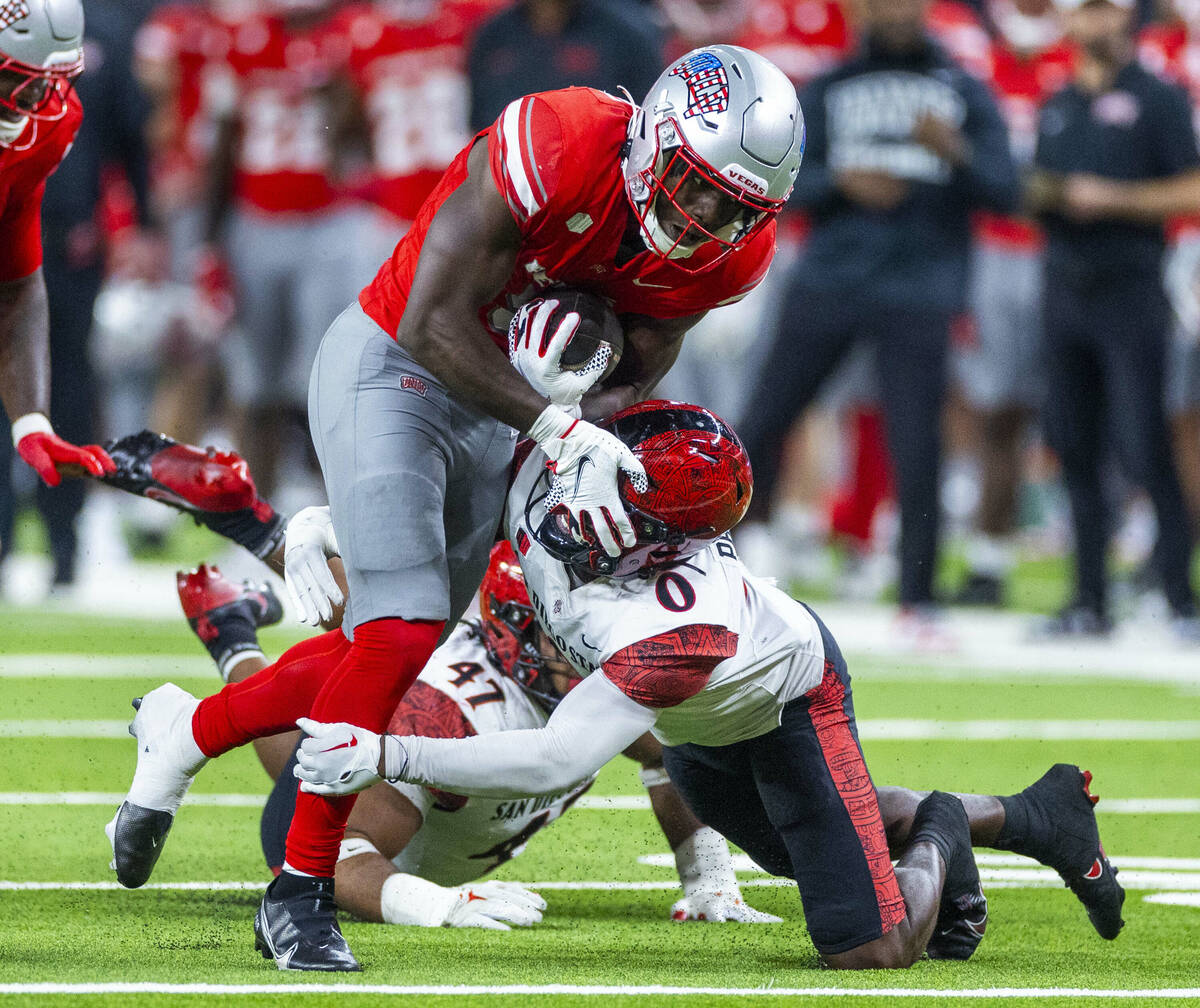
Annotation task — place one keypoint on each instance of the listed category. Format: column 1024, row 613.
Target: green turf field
column 67, row 685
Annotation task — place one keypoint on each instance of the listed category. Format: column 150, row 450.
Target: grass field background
column 67, row 683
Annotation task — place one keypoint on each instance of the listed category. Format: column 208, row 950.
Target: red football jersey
column 411, row 74
column 1171, row 52
column 185, row 47
column 23, row 175
column 556, row 159
column 1021, row 83
column 285, row 160
column 957, row 28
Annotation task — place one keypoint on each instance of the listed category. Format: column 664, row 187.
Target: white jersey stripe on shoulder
column 506, row 187
column 531, row 160
column 510, row 125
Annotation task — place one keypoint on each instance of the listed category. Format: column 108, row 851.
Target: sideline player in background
column 41, row 49
column 749, row 693
column 666, row 209
column 411, row 853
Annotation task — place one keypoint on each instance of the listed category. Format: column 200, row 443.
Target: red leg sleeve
column 269, row 701
column 383, row 662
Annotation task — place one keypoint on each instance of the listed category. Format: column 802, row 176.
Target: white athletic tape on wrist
column 406, row 899
column 30, row 423
column 704, row 864
column 654, row 777
column 353, row 846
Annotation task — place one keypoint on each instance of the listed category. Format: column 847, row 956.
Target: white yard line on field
column 605, row 803
column 461, row 990
column 873, row 729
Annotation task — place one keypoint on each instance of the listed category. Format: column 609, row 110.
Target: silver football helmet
column 41, row 52
column 722, row 116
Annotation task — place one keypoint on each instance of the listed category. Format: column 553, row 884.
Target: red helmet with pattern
column 509, row 627
column 700, row 486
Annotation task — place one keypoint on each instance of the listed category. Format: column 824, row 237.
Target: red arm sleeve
column 667, row 669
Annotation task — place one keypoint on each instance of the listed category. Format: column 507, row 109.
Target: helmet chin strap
column 10, row 131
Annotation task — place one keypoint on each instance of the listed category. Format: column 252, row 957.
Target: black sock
column 287, row 884
column 227, row 632
column 1014, row 833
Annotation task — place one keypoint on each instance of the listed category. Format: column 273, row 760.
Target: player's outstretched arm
column 25, row 384
column 593, row 723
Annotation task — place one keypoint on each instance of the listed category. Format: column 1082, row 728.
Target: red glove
column 45, row 451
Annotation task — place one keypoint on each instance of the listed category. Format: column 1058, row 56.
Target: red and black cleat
column 1063, row 834
column 214, row 487
column 224, row 615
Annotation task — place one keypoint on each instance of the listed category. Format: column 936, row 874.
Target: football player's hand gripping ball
column 719, row 908
column 535, row 348
column 336, row 759
column 309, row 545
column 46, row 452
column 587, row 463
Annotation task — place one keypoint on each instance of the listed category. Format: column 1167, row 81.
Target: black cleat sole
column 139, row 835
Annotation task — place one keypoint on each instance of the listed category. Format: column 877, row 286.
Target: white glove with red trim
column 587, row 463
column 719, row 908
column 336, row 759
column 536, row 345
column 711, row 892
column 308, row 545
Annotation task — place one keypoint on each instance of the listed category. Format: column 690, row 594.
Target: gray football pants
column 416, row 479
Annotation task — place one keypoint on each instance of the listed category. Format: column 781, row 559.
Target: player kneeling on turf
column 750, row 696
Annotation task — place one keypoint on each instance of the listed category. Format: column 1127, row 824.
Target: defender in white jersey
column 750, row 693
column 411, row 852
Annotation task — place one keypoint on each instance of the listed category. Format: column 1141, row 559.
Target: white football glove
column 537, row 353
column 719, row 908
column 496, row 906
column 587, row 463
column 309, row 544
column 336, row 759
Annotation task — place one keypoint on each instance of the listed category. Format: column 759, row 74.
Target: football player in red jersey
column 41, row 52
column 667, row 210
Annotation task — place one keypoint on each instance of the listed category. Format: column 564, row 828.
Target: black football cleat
column 963, row 911
column 137, row 836
column 1062, row 833
column 214, row 487
column 300, row 930
column 224, row 615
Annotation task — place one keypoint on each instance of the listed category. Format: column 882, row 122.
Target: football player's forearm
column 24, row 346
column 593, row 723
column 359, row 881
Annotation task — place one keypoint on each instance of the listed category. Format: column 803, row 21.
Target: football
column 597, row 324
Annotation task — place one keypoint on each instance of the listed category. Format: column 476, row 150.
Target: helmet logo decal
column 12, row 12
column 707, row 83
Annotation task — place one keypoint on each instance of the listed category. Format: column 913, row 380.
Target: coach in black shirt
column 903, row 144
column 1116, row 156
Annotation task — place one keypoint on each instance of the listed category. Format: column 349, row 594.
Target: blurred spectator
column 997, row 370
column 73, row 244
column 540, row 45
column 1169, row 49
column 277, row 216
column 408, row 65
column 902, row 145
column 1116, row 157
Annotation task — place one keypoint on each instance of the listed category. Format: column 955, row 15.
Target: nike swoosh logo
column 284, row 961
column 639, row 282
column 586, row 460
column 345, row 745
column 584, row 641
column 1095, row 871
